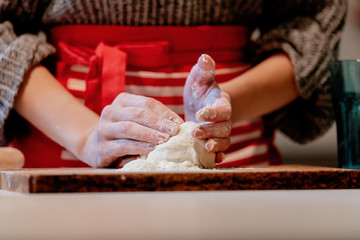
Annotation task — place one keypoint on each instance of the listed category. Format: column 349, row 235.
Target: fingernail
column 179, row 121
column 210, row 145
column 203, row 113
column 198, row 132
column 173, row 128
column 206, row 113
column 162, row 136
column 176, row 120
column 206, row 62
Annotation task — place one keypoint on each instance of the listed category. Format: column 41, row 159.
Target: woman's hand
column 205, row 102
column 131, row 125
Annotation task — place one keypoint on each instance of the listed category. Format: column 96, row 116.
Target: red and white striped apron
column 96, row 63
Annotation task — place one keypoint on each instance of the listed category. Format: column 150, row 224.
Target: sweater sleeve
column 18, row 53
column 309, row 33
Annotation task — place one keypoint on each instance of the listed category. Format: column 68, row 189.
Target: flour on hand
column 180, row 153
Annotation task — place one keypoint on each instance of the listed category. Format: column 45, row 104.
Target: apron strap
column 105, row 76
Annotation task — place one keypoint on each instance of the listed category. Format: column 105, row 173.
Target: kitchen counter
column 255, row 214
column 250, row 204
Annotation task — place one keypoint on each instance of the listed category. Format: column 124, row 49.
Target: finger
column 133, row 131
column 131, row 100
column 204, row 70
column 121, row 161
column 218, row 130
column 200, row 77
column 122, row 147
column 220, row 156
column 217, row 144
column 124, row 160
column 111, row 151
column 143, row 117
column 215, row 114
column 130, row 147
column 216, row 110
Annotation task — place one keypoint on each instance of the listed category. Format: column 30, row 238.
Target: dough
column 181, row 152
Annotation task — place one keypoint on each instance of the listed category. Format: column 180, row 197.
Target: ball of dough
column 184, row 147
column 180, row 153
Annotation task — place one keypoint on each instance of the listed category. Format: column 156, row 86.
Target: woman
column 271, row 62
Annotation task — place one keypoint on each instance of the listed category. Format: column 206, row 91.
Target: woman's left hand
column 205, row 102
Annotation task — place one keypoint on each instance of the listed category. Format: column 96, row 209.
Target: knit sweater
column 308, row 31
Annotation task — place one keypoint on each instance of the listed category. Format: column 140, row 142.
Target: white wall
column 323, row 151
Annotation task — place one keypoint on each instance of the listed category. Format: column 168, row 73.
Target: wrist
column 84, row 149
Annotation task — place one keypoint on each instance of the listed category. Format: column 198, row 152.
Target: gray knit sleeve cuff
column 17, row 55
column 310, row 43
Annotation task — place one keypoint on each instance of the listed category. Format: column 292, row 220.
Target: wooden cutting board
column 111, row 180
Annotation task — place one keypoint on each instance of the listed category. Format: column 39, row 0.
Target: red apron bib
column 96, row 63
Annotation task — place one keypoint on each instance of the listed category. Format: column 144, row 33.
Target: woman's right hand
column 131, row 125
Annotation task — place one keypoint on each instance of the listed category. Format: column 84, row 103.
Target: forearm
column 49, row 107
column 263, row 89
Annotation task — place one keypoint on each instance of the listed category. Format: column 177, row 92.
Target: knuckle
column 140, row 113
column 107, row 112
column 227, row 129
column 124, row 128
column 149, row 103
column 121, row 128
column 101, row 132
column 227, row 142
column 121, row 97
column 229, row 113
column 226, row 113
column 223, row 144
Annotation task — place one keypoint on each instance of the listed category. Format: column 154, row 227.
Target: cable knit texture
column 308, row 31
